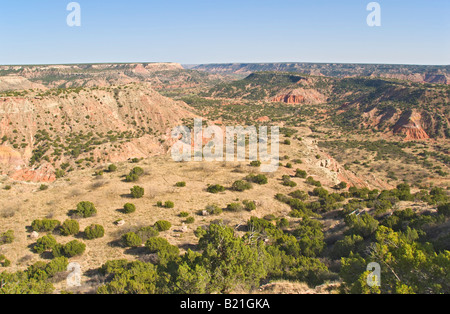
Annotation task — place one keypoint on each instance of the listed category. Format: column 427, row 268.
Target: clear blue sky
column 213, row 31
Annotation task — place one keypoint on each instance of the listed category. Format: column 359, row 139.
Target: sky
column 232, row 31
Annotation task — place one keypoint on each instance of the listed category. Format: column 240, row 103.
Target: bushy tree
column 86, row 209
column 7, row 237
column 70, row 227
column 129, row 208
column 94, row 232
column 163, row 225
column 137, row 192
column 241, row 186
column 214, row 189
column 131, row 239
column 45, row 243
column 45, row 225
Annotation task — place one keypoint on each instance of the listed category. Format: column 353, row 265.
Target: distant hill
column 418, row 111
column 414, row 73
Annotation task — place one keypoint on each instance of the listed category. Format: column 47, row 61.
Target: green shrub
column 70, row 227
column 444, row 209
column 301, row 174
column 214, row 189
column 163, row 225
column 43, row 187
column 169, row 204
column 112, row 168
column 74, row 248
column 301, row 195
column 4, row 262
column 7, row 237
column 235, row 207
column 57, row 265
column 241, row 186
column 214, row 210
column 313, row 182
column 160, row 245
column 190, row 220
column 180, row 184
column 94, row 232
column 137, row 192
column 129, row 208
column 86, row 209
column 249, row 205
column 44, row 244
column 283, row 223
column 147, row 233
column 132, row 178
column 131, row 239
column 45, row 225
column 258, row 179
column 184, row 214
column 255, row 163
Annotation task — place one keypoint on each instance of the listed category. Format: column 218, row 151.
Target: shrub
column 7, row 237
column 70, row 227
column 43, row 187
column 241, row 186
column 4, row 262
column 184, row 214
column 301, row 195
column 129, row 208
column 169, row 204
column 94, row 232
column 235, row 207
column 160, row 245
column 190, row 220
column 163, row 225
column 249, row 205
column 86, row 209
column 134, row 174
column 45, row 225
column 288, row 182
column 258, row 179
column 132, row 178
column 137, row 192
column 112, row 168
column 214, row 210
column 44, row 244
column 74, row 248
column 255, row 163
column 444, row 210
column 131, row 239
column 214, row 189
column 180, row 184
column 313, row 182
column 57, row 265
column 301, row 174
column 283, row 223
column 147, row 233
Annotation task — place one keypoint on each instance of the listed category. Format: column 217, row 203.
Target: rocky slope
column 161, row 75
column 82, row 127
column 413, row 73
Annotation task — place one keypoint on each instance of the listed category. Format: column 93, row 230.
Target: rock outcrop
column 300, row 96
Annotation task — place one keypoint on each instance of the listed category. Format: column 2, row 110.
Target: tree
column 129, row 208
column 70, row 227
column 86, row 209
column 137, row 192
column 230, row 261
column 214, row 189
column 131, row 239
column 163, row 225
column 94, row 232
column 45, row 243
column 241, row 186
